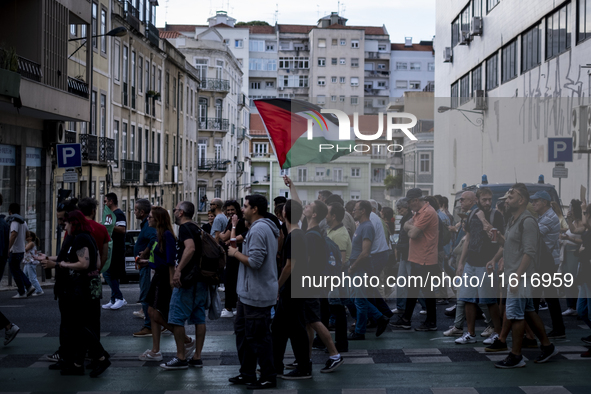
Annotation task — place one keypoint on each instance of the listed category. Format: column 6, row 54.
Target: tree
column 252, row 23
column 393, row 182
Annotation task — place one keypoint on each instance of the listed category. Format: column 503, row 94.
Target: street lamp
column 479, row 122
column 116, row 32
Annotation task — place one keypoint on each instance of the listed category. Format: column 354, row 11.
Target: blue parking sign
column 69, row 155
column 560, row 149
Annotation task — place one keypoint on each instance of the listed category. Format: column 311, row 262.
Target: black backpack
column 444, row 235
column 333, row 265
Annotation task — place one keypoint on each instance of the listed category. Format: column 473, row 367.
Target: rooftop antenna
column 338, row 7
column 166, row 12
column 342, row 13
column 317, row 11
column 276, row 13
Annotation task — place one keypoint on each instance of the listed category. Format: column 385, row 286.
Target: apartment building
column 524, row 69
column 40, row 91
column 413, row 67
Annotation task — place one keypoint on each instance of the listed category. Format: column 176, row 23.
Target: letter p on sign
column 69, row 155
column 560, row 149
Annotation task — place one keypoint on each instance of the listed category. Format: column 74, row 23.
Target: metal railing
column 216, row 85
column 132, row 15
column 89, row 145
column 213, row 124
column 77, row 87
column 29, row 69
column 260, row 178
column 377, row 73
column 106, row 149
column 152, row 33
column 151, row 172
column 261, row 155
column 212, row 164
column 70, row 137
column 130, row 171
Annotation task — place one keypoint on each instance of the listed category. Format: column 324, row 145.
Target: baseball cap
column 414, row 193
column 541, row 195
column 505, row 196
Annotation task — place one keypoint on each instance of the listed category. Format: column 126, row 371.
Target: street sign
column 70, row 177
column 560, row 149
column 69, row 155
column 560, row 172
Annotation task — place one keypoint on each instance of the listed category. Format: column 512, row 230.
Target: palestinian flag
column 287, row 122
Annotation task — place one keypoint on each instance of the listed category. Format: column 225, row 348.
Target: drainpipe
column 178, row 140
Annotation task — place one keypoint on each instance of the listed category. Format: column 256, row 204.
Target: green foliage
column 393, row 182
column 252, row 23
column 8, row 59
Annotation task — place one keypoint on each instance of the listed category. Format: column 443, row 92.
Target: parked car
column 130, row 272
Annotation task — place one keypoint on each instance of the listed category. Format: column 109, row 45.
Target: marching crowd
column 258, row 258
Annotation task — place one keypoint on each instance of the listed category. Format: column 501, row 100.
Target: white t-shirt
column 21, row 238
column 379, row 243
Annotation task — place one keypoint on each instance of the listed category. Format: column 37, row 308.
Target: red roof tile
column 261, row 29
column 415, row 47
column 223, row 25
column 169, row 34
column 295, row 28
column 184, row 28
column 372, row 30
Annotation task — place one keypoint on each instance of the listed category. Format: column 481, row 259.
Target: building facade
column 413, row 67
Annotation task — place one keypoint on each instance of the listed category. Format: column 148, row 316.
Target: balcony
column 241, row 133
column 261, row 155
column 106, row 149
column 89, row 145
column 151, row 172
column 132, row 16
column 70, row 137
column 377, row 55
column 260, row 179
column 77, row 87
column 240, row 167
column 338, row 180
column 215, row 85
column 215, row 124
column 430, row 87
column 152, row 34
column 130, row 171
column 31, row 70
column 377, row 74
column 213, row 164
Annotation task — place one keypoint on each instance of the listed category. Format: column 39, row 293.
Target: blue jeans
column 402, row 292
column 21, row 280
column 31, row 272
column 114, row 285
column 584, row 303
column 365, row 309
column 144, row 289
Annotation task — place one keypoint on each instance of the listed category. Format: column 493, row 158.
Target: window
column 382, row 84
column 368, row 103
column 558, row 32
column 124, row 141
column 284, row 45
column 342, row 61
column 262, row 64
column 166, row 151
column 94, row 27
column 255, row 85
column 531, row 48
column 401, row 65
column 382, row 47
column 294, row 81
column 321, row 43
column 455, row 32
column 270, row 84
column 381, row 102
column 140, row 73
column 354, row 62
column 465, row 89
column 583, row 20
column 354, row 100
column 256, row 46
column 116, row 138
column 139, row 144
column 430, row 66
column 415, row 85
column 490, row 4
column 355, row 195
column 415, row 66
column 148, row 76
column 201, row 66
column 117, row 61
column 173, row 92
column 104, row 31
column 238, row 43
column 354, row 81
column 424, row 163
column 103, row 125
column 93, row 115
column 334, row 41
column 302, row 175
column 454, row 95
column 132, row 79
column 321, row 99
column 492, row 72
column 343, row 41
column 476, row 79
column 321, row 81
column 477, row 8
column 321, row 61
column 401, row 84
column 270, row 47
column 293, row 62
column 333, row 61
column 342, row 79
column 465, row 19
column 381, row 66
column 354, row 43
column 132, row 144
column 260, row 149
column 355, row 172
column 333, row 79
column 74, row 28
column 509, row 61
column 333, row 98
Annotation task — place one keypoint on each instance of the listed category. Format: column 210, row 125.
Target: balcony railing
column 241, row 133
column 132, row 15
column 430, row 87
column 152, row 33
column 240, row 167
column 130, row 171
column 214, row 124
column 70, row 137
column 151, row 172
column 77, row 87
column 376, row 55
column 30, row 70
column 89, row 145
column 260, row 179
column 106, row 149
column 377, row 73
column 215, row 85
column 212, row 164
column 261, row 155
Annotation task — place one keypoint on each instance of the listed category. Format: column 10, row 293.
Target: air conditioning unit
column 479, row 100
column 581, row 128
column 447, row 55
column 54, row 132
column 465, row 37
column 476, row 26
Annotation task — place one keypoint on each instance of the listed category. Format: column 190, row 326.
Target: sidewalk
column 4, row 282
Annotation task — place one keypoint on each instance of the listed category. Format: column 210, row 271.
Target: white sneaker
column 234, row 313
column 190, row 348
column 226, row 313
column 466, row 338
column 567, row 312
column 118, row 304
column 222, row 288
column 397, row 311
column 37, row 294
column 423, row 312
column 10, row 334
column 488, row 331
column 451, row 308
column 491, row 339
column 453, row 332
column 149, row 355
column 139, row 314
column 108, row 306
column 19, row 296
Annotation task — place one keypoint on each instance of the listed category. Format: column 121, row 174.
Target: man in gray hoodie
column 257, row 292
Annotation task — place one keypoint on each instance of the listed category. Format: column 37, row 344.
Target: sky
column 403, row 18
